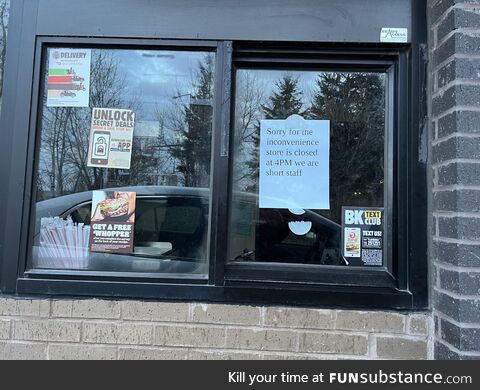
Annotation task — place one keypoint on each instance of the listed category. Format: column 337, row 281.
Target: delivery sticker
column 351, row 247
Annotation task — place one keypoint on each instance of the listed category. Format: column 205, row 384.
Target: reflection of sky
column 153, row 78
column 306, row 81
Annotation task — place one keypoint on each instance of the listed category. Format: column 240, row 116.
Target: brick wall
column 455, row 158
column 101, row 329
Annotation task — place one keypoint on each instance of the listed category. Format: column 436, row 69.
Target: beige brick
column 32, row 308
column 261, row 339
column 298, row 318
column 196, row 354
column 23, row 351
column 152, row 353
column 95, row 308
column 61, row 309
column 81, row 352
column 46, row 330
column 418, row 325
column 194, row 336
column 8, row 306
column 88, row 308
column 226, row 314
column 5, row 326
column 24, row 307
column 370, row 321
column 327, row 342
column 401, row 348
column 112, row 333
column 155, row 311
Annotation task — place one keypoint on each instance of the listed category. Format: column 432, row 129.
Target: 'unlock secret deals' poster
column 112, row 221
column 111, row 138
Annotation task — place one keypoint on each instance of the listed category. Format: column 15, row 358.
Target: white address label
column 394, row 35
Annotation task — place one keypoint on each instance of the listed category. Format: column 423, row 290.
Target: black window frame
column 404, row 286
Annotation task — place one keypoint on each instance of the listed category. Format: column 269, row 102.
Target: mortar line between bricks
column 454, row 83
column 453, row 57
column 450, row 240
column 140, row 322
column 372, row 346
column 454, row 349
column 338, row 332
column 454, row 161
column 280, row 353
column 445, row 317
column 441, row 65
column 408, row 336
column 259, row 328
column 461, row 30
column 443, row 16
column 454, row 187
column 455, row 295
column 456, row 268
column 456, row 214
column 461, row 6
column 456, row 108
column 455, row 135
column 430, row 341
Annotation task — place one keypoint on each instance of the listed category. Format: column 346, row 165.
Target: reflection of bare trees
column 248, row 111
column 65, row 133
column 174, row 149
column 4, row 13
column 191, row 125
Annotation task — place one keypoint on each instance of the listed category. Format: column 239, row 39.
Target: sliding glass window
column 124, row 161
column 308, row 158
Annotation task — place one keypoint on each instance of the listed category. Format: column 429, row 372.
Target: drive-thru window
column 178, row 151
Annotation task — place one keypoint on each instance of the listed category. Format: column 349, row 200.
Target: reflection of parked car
column 278, row 235
column 170, row 228
column 172, row 223
column 68, row 93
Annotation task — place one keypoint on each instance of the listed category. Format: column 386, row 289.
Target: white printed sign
column 294, row 163
column 68, row 80
column 394, row 35
column 111, row 138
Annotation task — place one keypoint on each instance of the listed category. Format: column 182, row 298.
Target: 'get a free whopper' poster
column 112, row 222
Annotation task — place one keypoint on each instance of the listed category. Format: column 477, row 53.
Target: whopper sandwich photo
column 112, row 208
column 118, row 206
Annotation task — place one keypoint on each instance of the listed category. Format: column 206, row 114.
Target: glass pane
column 4, row 15
column 166, row 98
column 354, row 103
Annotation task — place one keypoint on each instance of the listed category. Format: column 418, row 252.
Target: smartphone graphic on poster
column 100, row 147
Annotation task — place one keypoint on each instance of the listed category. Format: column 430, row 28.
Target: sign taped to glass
column 362, row 229
column 294, row 163
column 68, row 79
column 112, row 222
column 111, row 138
